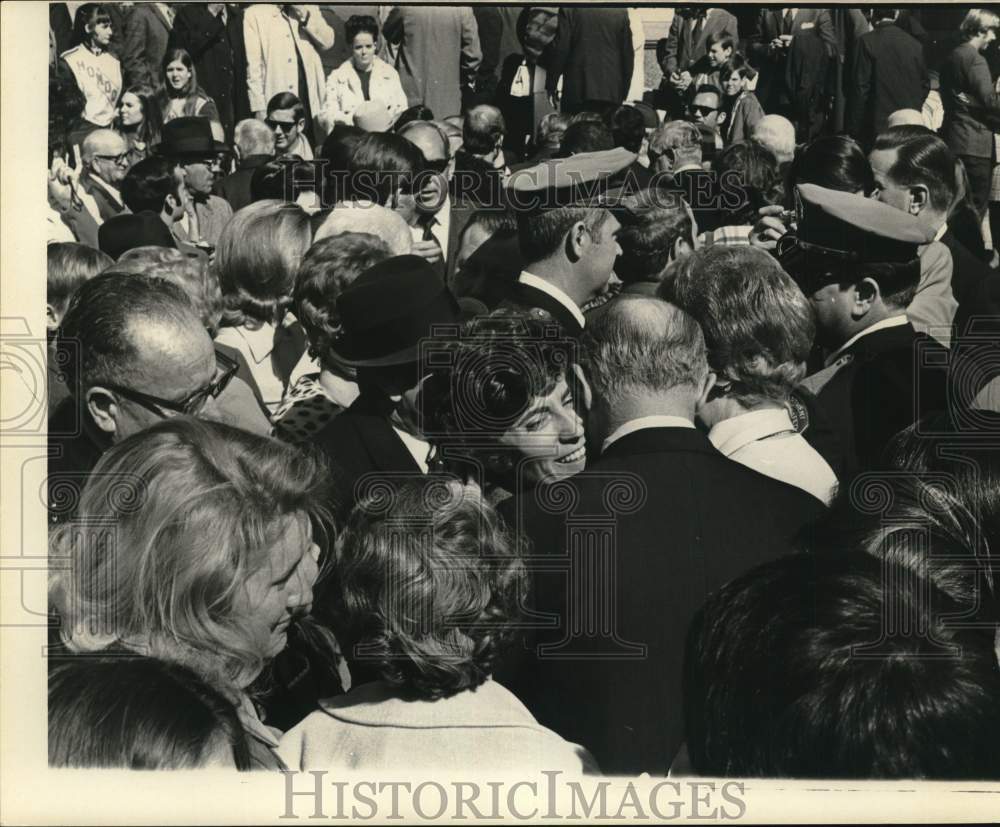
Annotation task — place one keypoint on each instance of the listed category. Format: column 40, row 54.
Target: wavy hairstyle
column 430, row 585
column 256, row 259
column 152, row 114
column 191, row 91
column 757, row 323
column 170, row 526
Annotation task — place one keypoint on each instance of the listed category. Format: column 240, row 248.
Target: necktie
column 786, row 27
column 428, row 224
column 699, row 24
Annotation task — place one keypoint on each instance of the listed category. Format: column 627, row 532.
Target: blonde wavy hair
column 171, row 524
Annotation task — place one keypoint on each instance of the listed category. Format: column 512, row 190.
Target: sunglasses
column 118, row 159
column 436, row 166
column 704, row 111
column 190, row 405
column 282, row 125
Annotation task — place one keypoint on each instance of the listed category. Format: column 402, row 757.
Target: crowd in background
column 436, row 381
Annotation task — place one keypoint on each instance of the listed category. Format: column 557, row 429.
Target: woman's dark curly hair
column 498, row 366
column 431, row 583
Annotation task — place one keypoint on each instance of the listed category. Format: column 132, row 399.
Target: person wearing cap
column 385, row 316
column 857, row 261
column 567, row 234
column 190, row 145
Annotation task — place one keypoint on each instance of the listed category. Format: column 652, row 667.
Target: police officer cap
column 855, row 227
column 588, row 179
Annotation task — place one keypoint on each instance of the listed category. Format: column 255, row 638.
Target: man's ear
column 51, row 318
column 102, row 405
column 866, row 293
column 576, row 240
column 708, row 383
column 172, row 202
column 682, row 247
column 586, row 395
column 920, row 197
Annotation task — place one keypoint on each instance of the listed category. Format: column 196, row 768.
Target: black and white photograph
column 583, row 413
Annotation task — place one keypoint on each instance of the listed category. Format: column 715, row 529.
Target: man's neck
column 872, row 318
column 559, row 273
column 640, row 405
column 932, row 219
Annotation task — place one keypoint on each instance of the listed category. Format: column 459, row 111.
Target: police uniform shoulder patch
column 821, row 378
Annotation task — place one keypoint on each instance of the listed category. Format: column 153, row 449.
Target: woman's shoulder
column 385, row 68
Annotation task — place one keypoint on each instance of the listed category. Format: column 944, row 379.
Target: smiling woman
column 194, row 545
column 507, row 404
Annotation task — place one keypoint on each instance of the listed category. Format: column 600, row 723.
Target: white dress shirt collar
column 643, row 422
column 893, row 321
column 553, row 291
column 418, row 448
column 941, row 231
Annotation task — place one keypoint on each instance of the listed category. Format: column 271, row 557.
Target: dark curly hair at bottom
column 430, row 585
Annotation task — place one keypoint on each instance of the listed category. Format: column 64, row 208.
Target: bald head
column 428, row 138
column 368, row 217
column 102, row 142
column 777, row 134
column 640, row 351
column 253, row 137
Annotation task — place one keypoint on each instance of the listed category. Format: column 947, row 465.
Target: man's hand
column 769, row 227
column 429, row 250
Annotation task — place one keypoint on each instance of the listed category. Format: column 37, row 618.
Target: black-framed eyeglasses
column 282, row 125
column 704, row 111
column 193, row 403
column 118, row 159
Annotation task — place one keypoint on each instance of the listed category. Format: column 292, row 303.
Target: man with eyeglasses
column 105, row 162
column 133, row 351
column 286, row 119
column 703, row 112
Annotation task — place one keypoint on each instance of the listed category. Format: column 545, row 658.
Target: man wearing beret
column 856, row 259
column 567, row 234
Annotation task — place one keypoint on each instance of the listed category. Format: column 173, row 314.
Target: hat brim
column 217, row 147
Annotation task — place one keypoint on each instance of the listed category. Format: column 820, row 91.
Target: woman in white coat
column 362, row 77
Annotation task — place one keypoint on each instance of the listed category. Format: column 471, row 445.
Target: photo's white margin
column 32, row 794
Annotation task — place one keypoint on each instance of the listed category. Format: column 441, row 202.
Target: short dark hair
column 382, row 163
column 836, row 162
column 758, row 325
column 542, row 233
column 482, row 129
column 358, row 23
column 286, row 100
column 68, row 266
column 89, row 14
column 95, row 341
column 414, row 113
column 148, row 183
column 586, row 136
column 327, row 269
column 777, row 682
column 139, row 714
column 921, row 158
column 708, row 89
column 736, row 63
column 339, row 146
column 651, row 224
column 750, row 178
column 628, row 127
column 429, row 607
column 726, row 38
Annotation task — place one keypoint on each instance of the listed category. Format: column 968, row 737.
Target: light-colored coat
column 272, row 65
column 373, row 728
column 344, row 93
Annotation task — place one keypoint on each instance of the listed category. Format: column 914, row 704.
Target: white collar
column 941, row 231
column 104, row 185
column 551, row 290
column 893, row 321
column 734, row 433
column 418, row 448
column 687, row 167
column 260, row 341
column 643, row 422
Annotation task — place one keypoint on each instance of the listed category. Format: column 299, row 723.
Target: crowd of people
column 427, row 387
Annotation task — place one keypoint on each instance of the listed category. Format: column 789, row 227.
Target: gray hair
column 641, row 343
column 252, row 137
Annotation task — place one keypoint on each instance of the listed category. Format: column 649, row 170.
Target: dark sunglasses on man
column 704, row 111
column 284, row 126
column 193, row 403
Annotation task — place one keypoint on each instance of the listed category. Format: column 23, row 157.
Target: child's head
column 734, row 75
column 137, row 713
column 720, row 47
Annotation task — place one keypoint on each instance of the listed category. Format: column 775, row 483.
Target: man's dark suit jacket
column 220, row 57
column 661, row 520
column 235, row 187
column 107, row 205
column 889, row 74
column 678, row 51
column 593, row 53
column 147, row 33
column 883, row 383
column 540, row 304
column 968, row 276
column 966, row 127
column 701, row 191
column 357, row 442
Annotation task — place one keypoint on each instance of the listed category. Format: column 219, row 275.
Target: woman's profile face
column 280, row 590
column 177, row 74
column 100, row 32
column 130, row 109
column 549, row 437
column 363, row 50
